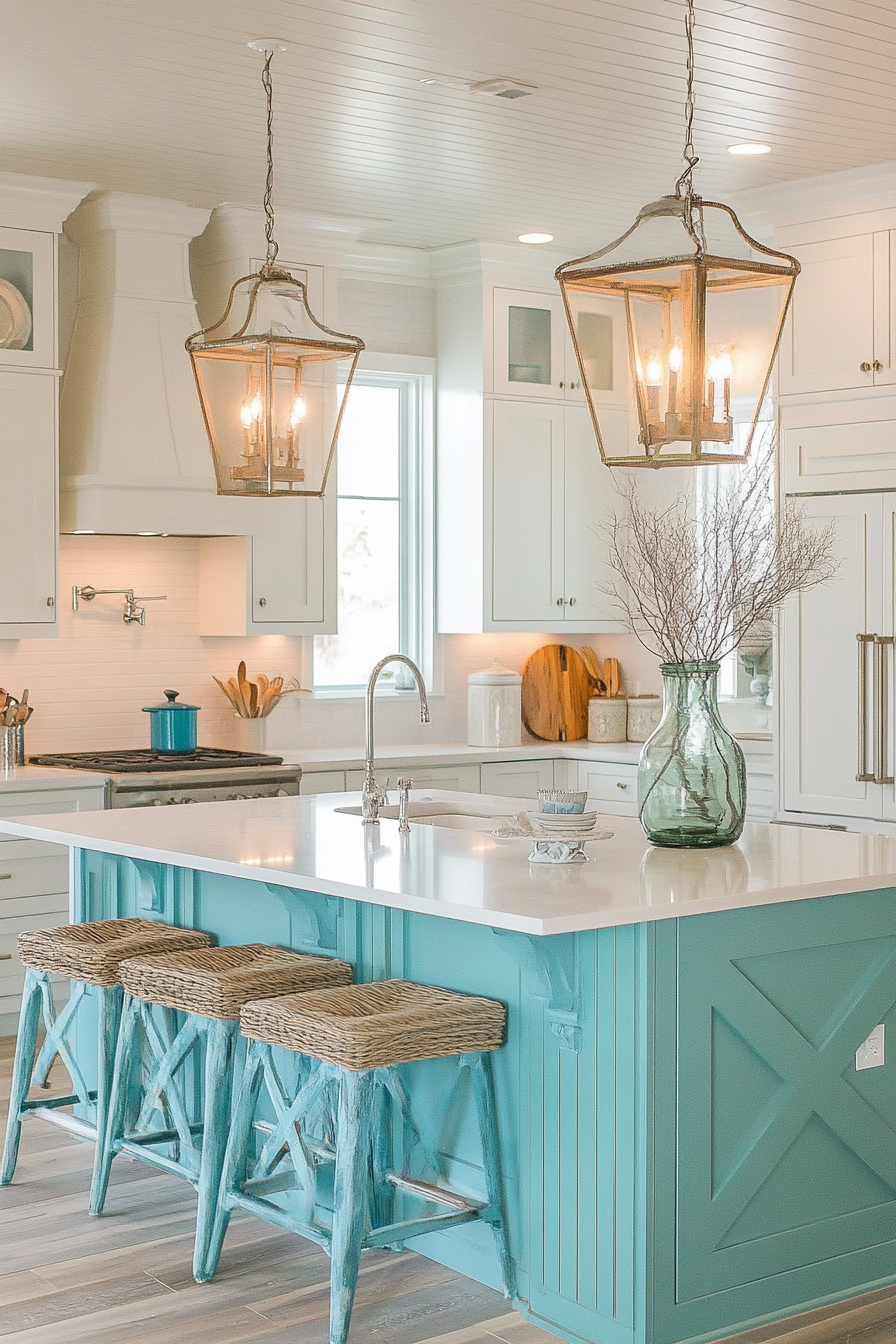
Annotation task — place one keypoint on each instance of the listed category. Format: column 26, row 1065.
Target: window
column 383, row 506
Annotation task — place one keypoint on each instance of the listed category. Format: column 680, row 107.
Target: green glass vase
column 692, row 781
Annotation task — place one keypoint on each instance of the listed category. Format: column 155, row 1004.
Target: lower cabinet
column 34, row 884
column 516, row 779
column 612, row 787
column 457, row 778
column 322, row 781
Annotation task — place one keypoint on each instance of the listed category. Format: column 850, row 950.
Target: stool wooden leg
column 219, row 1051
column 484, row 1093
column 26, row 1047
column 116, row 1107
column 356, row 1096
column 236, row 1157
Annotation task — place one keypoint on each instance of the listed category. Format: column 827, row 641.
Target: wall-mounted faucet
column 134, row 614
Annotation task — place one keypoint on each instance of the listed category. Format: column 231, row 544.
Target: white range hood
column 134, row 456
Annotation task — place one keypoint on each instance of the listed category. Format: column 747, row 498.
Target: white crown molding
column 38, row 202
column 121, row 210
column 384, row 262
column 854, row 191
column 239, row 231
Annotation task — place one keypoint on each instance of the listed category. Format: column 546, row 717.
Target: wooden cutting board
column 555, row 693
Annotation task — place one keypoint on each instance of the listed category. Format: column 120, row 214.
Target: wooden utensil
column 555, row 693
column 593, row 668
column 612, row 678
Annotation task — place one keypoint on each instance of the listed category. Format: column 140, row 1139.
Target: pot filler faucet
column 372, row 796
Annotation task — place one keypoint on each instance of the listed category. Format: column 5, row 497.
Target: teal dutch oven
column 172, row 726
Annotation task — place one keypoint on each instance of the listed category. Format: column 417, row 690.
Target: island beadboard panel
column 687, row 1148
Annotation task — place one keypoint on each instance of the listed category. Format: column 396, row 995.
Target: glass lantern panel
column 529, row 345
column 270, row 435
column 594, row 334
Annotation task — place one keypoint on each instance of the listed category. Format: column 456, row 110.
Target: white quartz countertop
column 467, row 875
column 45, row 778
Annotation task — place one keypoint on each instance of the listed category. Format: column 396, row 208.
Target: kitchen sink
column 424, row 813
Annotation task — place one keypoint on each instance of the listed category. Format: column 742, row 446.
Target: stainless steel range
column 144, row 778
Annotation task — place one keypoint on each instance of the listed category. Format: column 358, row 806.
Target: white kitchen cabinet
column 28, row 535
column 847, row 444
column 837, row 749
column 612, row 786
column 457, row 778
column 34, row 882
column 533, row 354
column 516, row 779
column 548, row 494
column 28, row 286
column 841, row 333
column 274, row 583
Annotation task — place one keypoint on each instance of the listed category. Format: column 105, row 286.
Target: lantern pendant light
column 703, row 320
column 272, row 380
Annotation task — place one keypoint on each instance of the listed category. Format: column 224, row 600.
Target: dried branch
column 693, row 580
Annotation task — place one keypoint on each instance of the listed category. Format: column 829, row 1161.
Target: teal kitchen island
column 688, row 1147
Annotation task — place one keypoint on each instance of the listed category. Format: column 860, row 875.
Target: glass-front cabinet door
column 529, row 345
column 27, row 310
column 533, row 352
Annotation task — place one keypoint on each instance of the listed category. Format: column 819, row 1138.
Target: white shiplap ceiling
column 163, row 97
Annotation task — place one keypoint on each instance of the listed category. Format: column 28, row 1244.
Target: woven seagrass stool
column 90, row 955
column 359, row 1034
column 154, row 1062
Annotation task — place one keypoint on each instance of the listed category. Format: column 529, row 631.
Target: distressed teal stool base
column 357, row 1035
column 162, row 1053
column 89, row 955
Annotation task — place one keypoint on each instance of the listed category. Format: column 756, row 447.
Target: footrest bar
column 435, row 1193
column 82, row 1128
column 415, row 1227
column 159, row 1160
column 270, row 1213
column 51, row 1103
column 162, row 1135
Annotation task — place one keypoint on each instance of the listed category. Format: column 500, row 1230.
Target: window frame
column 414, row 377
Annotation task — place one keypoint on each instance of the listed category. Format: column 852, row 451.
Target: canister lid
column 496, row 675
column 170, row 703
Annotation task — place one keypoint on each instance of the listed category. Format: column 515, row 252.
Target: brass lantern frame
column 709, row 273
column 260, row 349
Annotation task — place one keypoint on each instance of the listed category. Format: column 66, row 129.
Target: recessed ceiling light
column 502, row 87
column 535, row 238
column 749, row 148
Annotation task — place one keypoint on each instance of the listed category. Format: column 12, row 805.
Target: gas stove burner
column 146, row 762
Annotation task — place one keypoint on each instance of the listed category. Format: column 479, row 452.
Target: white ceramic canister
column 494, row 715
column 606, row 719
column 644, row 714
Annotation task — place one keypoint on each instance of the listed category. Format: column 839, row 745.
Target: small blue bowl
column 568, row 802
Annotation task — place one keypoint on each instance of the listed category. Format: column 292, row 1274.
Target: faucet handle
column 404, row 787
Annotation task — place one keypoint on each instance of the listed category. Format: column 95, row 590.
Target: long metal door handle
column 881, row 643
column 862, row 774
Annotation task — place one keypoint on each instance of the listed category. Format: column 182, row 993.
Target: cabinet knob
column 865, row 366
column 623, row 786
column 562, row 384
column 51, row 601
column 572, row 601
column 877, row 366
column 560, row 601
column 262, row 601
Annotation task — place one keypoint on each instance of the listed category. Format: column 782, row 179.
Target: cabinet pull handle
column 880, row 715
column 4, row 877
column 862, row 774
column 621, row 786
column 865, row 367
column 51, row 601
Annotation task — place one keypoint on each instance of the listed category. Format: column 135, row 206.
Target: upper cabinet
column 521, row 488
column 841, row 334
column 27, row 299
column 533, row 355
column 32, row 211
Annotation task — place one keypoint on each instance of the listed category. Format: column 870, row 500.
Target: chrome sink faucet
column 371, row 797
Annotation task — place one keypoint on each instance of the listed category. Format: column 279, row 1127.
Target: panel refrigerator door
column 820, row 669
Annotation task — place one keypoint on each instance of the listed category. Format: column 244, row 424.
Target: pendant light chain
column 269, row 181
column 685, row 184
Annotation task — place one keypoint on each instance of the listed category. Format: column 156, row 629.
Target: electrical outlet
column 870, row 1054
